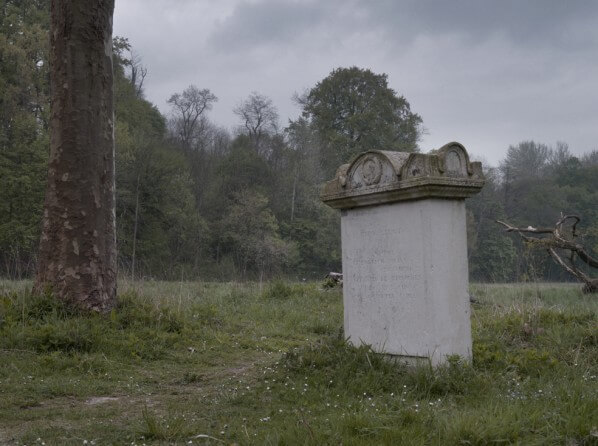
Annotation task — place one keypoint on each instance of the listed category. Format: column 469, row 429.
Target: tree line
column 196, row 200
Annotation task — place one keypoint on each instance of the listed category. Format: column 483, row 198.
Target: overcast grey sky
column 486, row 73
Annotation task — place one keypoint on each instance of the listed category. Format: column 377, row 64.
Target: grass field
column 206, row 363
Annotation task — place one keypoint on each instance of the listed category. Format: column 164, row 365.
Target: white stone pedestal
column 405, row 275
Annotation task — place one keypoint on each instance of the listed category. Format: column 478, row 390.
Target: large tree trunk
column 77, row 257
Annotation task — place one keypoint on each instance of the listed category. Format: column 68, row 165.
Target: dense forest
column 199, row 201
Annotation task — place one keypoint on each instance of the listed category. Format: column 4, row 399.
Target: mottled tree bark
column 77, row 257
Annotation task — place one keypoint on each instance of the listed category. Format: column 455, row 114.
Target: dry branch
column 561, row 246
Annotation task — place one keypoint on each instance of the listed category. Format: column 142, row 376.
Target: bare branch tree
column 126, row 57
column 560, row 243
column 188, row 108
column 259, row 116
column 138, row 73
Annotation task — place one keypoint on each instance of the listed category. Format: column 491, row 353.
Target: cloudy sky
column 485, row 73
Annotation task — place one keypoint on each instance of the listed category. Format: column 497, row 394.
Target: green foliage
column 278, row 289
column 250, row 232
column 157, row 428
column 204, row 362
column 354, row 110
column 156, row 209
column 536, row 184
column 242, row 168
column 359, row 370
column 317, row 239
column 492, row 255
column 193, row 201
column 243, row 226
column 158, row 224
column 23, row 131
column 43, row 324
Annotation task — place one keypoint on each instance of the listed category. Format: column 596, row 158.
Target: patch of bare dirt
column 93, row 401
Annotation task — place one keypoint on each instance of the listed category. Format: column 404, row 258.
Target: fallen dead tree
column 560, row 243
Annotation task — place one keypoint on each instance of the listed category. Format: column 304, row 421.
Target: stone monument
column 404, row 251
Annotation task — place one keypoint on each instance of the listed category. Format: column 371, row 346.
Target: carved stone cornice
column 377, row 177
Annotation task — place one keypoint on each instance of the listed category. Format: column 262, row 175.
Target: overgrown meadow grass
column 205, row 363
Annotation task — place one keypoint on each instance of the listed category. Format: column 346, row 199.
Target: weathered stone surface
column 377, row 177
column 405, row 251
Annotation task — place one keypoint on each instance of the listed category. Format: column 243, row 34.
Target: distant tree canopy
column 24, row 136
column 259, row 118
column 354, row 110
column 532, row 186
column 194, row 200
column 188, row 108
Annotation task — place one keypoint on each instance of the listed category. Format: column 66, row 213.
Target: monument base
column 405, row 279
column 409, row 361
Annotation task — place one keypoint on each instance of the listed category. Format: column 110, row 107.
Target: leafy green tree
column 192, row 201
column 354, row 110
column 539, row 183
column 313, row 227
column 159, row 228
column 526, row 159
column 159, row 225
column 318, row 244
column 22, row 169
column 492, row 256
column 303, row 172
column 24, row 111
column 250, row 232
column 242, row 169
column 579, row 179
column 198, row 138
